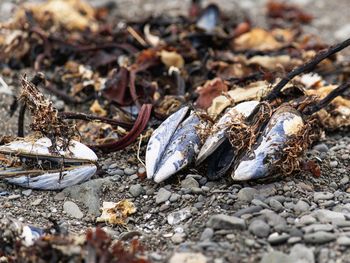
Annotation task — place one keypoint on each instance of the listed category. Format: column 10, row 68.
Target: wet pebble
column 207, row 234
column 136, row 190
column 302, row 254
column 27, row 192
column 321, row 147
column 333, row 164
column 259, row 228
column 301, row 206
column 276, row 238
column 306, row 220
column 162, row 195
column 247, row 194
column 275, row 205
column 323, row 196
column 72, row 209
column 189, row 182
column 320, row 237
column 187, row 257
column 176, row 217
column 129, row 171
column 221, row 221
column 343, row 241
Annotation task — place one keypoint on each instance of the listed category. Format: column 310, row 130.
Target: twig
column 136, row 36
column 326, row 100
column 20, row 131
column 138, row 151
column 89, row 117
column 306, row 68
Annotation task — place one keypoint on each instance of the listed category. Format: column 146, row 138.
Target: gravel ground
column 286, row 219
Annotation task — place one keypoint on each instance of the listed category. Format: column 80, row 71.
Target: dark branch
column 306, row 68
column 326, row 100
column 88, row 117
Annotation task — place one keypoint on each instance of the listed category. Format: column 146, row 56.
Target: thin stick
column 138, row 152
column 20, row 131
column 326, row 100
column 306, row 68
column 88, row 117
column 136, row 36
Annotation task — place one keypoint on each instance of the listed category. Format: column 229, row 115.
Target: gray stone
column 258, row 202
column 136, row 190
column 88, row 194
column 178, row 238
column 318, row 227
column 343, row 241
column 174, row 197
column 306, row 220
column 275, row 205
column 276, row 257
column 323, row 196
column 302, row 254
column 343, row 32
column 276, row 239
column 27, row 192
column 129, row 171
column 207, row 234
column 59, row 196
column 301, row 206
column 189, row 182
column 72, row 209
column 293, row 240
column 265, row 190
column 176, row 217
column 275, row 220
column 321, row 147
column 259, row 228
column 37, row 202
column 247, row 194
column 189, row 257
column 248, row 210
column 320, row 237
column 221, row 221
column 333, row 164
column 328, row 216
column 162, row 195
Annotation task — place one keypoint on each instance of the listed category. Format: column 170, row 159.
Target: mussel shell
column 215, row 140
column 284, row 124
column 181, row 150
column 209, row 19
column 49, row 180
column 40, row 149
column 160, row 139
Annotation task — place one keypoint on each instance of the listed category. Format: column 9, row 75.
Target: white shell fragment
column 55, row 180
column 70, row 167
column 40, row 148
column 216, row 139
column 160, row 139
column 283, row 124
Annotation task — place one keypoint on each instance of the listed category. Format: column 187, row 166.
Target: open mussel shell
column 284, row 124
column 218, row 136
column 173, row 145
column 40, row 149
column 48, row 180
column 209, row 18
column 38, row 166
